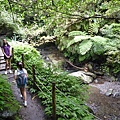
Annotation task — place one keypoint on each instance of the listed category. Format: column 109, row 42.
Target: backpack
column 21, row 78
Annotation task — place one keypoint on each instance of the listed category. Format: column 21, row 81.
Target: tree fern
column 99, row 39
column 98, row 48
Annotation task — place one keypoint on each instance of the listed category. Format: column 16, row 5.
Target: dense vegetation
column 81, row 47
column 22, row 20
column 8, row 105
column 85, row 30
column 70, row 92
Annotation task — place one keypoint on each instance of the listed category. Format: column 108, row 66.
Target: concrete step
column 2, row 67
column 1, row 55
column 2, row 61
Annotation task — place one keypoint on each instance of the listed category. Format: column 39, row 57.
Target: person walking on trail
column 21, row 76
column 7, row 55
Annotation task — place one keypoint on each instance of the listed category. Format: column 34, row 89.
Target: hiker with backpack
column 21, row 76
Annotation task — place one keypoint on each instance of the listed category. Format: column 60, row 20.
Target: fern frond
column 76, row 33
column 77, row 39
column 93, row 28
column 99, row 39
column 85, row 46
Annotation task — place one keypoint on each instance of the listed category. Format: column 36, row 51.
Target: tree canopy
column 61, row 18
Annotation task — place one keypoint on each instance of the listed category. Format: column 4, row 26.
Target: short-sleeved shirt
column 6, row 49
column 17, row 72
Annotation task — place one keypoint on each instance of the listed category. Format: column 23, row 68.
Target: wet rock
column 83, row 76
column 98, row 73
column 109, row 92
column 113, row 78
column 90, row 74
column 115, row 93
column 109, row 78
column 96, row 80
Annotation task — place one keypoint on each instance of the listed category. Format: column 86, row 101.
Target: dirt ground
column 34, row 109
column 104, row 107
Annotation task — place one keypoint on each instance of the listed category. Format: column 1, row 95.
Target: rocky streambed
column 104, row 99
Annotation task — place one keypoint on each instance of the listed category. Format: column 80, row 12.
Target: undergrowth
column 7, row 101
column 70, row 92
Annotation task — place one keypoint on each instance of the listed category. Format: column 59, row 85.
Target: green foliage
column 8, row 26
column 107, row 46
column 113, row 8
column 30, row 54
column 57, row 16
column 70, row 92
column 111, row 31
column 113, row 55
column 76, row 33
column 85, row 48
column 77, row 39
column 7, row 101
column 93, row 28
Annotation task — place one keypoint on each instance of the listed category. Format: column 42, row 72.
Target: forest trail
column 34, row 110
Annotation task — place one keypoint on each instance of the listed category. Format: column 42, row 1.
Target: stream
column 105, row 106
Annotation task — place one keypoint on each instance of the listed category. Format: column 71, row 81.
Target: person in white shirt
column 21, row 76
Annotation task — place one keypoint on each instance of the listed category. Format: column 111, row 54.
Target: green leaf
column 98, row 49
column 99, row 39
column 77, row 39
column 76, row 33
column 85, row 46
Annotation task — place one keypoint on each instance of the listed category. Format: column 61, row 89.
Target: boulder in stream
column 87, row 77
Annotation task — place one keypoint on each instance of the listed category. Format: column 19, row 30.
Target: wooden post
column 53, row 101
column 23, row 60
column 33, row 71
column 13, row 54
